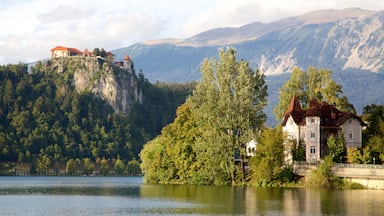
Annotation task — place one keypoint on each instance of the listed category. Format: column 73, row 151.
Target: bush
column 323, row 176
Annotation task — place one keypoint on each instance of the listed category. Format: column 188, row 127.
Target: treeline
column 46, row 123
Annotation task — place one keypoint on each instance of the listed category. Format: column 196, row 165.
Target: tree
column 336, row 147
column 88, row 166
column 266, row 165
column 323, row 177
column 316, row 83
column 133, row 167
column 228, row 108
column 119, row 167
column 171, row 157
column 70, row 167
column 104, row 167
column 373, row 136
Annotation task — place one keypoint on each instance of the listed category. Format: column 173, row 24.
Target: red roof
column 330, row 116
column 294, row 109
column 126, row 57
column 61, row 48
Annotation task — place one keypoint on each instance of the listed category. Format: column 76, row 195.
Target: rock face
column 117, row 85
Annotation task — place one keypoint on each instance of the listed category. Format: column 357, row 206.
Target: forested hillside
column 45, row 122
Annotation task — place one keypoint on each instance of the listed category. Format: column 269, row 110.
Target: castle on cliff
column 66, row 52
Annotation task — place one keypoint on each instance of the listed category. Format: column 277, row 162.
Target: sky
column 30, row 28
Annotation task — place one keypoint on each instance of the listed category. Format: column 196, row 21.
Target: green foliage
column 353, row 186
column 133, row 167
column 225, row 111
column 89, row 166
column 104, row 167
column 336, row 147
column 373, row 136
column 171, row 157
column 70, row 167
column 354, row 155
column 119, row 167
column 45, row 120
column 158, row 108
column 298, row 150
column 323, row 176
column 228, row 107
column 316, row 83
column 266, row 165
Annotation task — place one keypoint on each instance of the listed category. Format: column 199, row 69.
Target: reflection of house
column 317, row 123
column 60, row 51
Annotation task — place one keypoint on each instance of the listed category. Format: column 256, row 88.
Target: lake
column 45, row 196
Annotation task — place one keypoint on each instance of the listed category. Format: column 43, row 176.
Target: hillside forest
column 45, row 124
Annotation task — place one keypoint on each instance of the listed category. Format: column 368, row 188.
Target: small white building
column 315, row 124
column 251, row 148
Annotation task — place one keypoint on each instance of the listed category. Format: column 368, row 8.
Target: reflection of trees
column 216, row 199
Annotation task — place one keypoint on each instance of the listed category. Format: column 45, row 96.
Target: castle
column 65, row 52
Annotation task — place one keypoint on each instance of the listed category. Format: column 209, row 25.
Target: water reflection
column 272, row 201
column 126, row 195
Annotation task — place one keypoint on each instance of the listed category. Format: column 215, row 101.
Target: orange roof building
column 61, row 51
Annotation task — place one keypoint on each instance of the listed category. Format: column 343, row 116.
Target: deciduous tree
column 316, row 83
column 228, row 107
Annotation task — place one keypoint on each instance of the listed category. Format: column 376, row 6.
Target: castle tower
column 127, row 63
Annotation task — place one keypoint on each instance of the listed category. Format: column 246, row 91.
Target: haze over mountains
column 349, row 42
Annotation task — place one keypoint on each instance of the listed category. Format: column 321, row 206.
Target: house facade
column 315, row 124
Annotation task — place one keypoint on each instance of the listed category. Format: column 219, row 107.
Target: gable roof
column 62, row 48
column 330, row 116
column 294, row 109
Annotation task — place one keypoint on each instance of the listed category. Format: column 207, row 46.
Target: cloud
column 229, row 13
column 30, row 28
column 63, row 13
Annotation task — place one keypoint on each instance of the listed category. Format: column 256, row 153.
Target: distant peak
column 162, row 41
column 332, row 15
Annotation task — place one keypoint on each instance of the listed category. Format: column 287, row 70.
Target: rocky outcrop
column 118, row 86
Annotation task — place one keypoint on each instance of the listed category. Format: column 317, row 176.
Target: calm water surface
column 94, row 196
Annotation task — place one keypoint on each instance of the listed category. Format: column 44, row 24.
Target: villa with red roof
column 315, row 124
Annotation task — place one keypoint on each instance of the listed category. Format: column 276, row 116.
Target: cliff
column 118, row 86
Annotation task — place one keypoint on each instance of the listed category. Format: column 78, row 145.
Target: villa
column 315, row 124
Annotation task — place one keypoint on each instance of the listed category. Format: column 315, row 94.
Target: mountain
column 349, row 42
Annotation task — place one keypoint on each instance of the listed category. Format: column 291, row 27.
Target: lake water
column 94, row 196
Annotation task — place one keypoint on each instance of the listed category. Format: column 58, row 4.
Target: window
column 312, row 120
column 313, row 150
column 313, row 134
column 350, row 135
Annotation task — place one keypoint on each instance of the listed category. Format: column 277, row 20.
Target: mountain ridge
column 349, row 42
